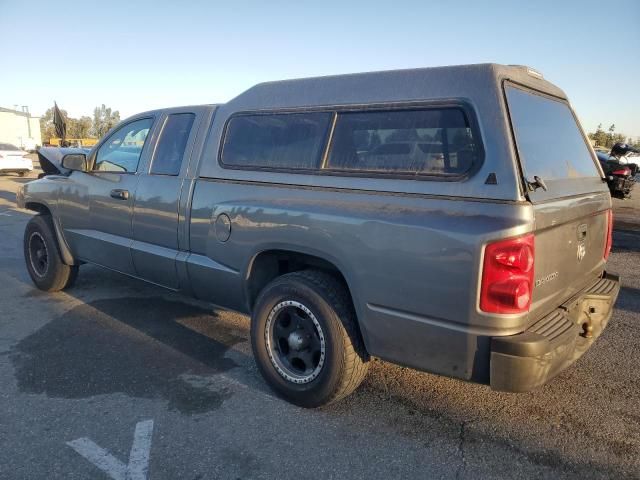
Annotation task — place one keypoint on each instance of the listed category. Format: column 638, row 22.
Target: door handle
column 120, row 194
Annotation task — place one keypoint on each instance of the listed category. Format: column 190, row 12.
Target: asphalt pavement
column 119, row 379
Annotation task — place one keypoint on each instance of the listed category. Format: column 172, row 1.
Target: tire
column 42, row 256
column 326, row 310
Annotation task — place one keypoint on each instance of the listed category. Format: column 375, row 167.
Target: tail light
column 624, row 172
column 507, row 275
column 609, row 239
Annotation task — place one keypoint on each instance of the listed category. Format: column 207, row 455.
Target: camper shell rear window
column 550, row 143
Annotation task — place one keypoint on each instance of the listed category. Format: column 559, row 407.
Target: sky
column 139, row 55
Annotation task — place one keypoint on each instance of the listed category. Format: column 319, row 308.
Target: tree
column 599, row 137
column 103, row 120
column 618, row 138
column 609, row 138
column 79, row 128
column 76, row 127
column 612, row 129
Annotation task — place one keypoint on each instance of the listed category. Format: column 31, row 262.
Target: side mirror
column 75, row 161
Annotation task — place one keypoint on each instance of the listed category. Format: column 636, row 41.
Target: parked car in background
column 14, row 160
column 29, row 145
column 620, row 176
column 418, row 216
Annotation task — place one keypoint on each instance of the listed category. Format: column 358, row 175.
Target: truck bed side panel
column 410, row 261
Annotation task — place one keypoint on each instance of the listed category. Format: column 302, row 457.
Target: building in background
column 20, row 128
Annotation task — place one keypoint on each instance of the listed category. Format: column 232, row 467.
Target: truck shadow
column 140, row 346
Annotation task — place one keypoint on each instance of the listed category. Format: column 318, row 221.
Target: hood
column 50, row 159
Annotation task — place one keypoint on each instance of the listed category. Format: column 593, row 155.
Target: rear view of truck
column 556, row 273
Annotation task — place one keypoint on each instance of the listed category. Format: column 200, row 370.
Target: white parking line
column 5, row 214
column 138, row 466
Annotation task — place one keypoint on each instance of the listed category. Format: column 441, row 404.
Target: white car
column 14, row 160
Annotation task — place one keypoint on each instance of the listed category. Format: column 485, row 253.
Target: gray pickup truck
column 453, row 220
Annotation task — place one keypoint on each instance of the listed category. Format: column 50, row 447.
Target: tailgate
column 570, row 240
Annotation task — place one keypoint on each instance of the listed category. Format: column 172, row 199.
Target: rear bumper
column 15, row 170
column 16, row 166
column 528, row 360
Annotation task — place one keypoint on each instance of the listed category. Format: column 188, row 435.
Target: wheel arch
column 39, row 207
column 268, row 264
column 43, row 209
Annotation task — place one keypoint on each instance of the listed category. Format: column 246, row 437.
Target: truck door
column 156, row 206
column 96, row 206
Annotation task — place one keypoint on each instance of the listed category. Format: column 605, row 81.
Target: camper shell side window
column 430, row 142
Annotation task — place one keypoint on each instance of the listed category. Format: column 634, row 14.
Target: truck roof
column 461, row 81
column 209, row 106
column 388, row 86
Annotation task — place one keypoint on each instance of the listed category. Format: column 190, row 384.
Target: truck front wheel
column 42, row 256
column 305, row 339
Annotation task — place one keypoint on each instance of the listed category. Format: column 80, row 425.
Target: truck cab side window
column 121, row 152
column 167, row 158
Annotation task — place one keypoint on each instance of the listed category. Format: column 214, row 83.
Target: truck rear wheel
column 42, row 256
column 305, row 339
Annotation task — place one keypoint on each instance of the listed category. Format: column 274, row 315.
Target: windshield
column 550, row 144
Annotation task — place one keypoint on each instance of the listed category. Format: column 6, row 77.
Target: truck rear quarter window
column 167, row 158
column 431, row 142
column 285, row 140
column 550, row 143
